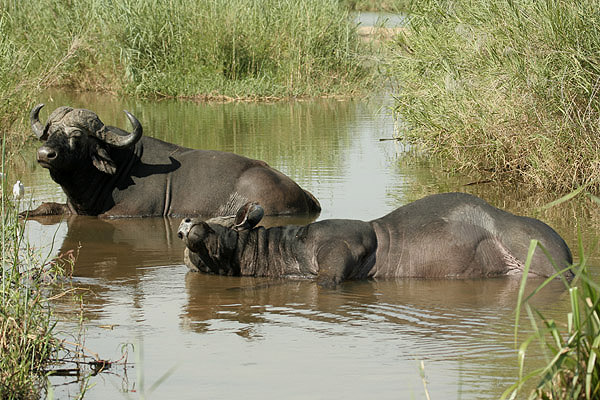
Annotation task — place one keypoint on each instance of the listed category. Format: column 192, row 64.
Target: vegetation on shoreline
column 507, row 90
column 26, row 325
column 30, row 284
column 376, row 5
column 573, row 369
column 218, row 49
column 184, row 48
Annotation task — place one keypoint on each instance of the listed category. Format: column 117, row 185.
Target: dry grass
column 504, row 89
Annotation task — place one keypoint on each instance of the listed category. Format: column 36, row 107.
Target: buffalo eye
column 74, row 137
column 75, row 133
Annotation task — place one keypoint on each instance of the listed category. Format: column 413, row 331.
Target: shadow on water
column 440, row 307
column 328, row 147
column 462, row 330
column 112, row 249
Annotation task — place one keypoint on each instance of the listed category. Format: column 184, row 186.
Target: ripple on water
column 293, row 337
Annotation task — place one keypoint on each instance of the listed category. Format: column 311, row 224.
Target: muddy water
column 230, row 337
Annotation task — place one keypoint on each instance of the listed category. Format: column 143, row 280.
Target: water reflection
column 331, row 148
column 113, row 249
column 394, row 321
column 452, row 309
column 293, row 336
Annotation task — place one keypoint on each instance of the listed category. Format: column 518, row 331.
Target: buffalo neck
column 219, row 256
column 89, row 191
column 83, row 189
column 271, row 252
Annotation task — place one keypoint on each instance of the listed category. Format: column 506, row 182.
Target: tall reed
column 506, row 88
column 27, row 339
column 11, row 98
column 235, row 48
column 215, row 49
column 573, row 369
column 572, row 346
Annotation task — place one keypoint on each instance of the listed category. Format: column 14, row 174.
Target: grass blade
column 532, row 245
column 563, row 199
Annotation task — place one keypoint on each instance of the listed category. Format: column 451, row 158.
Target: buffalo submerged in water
column 106, row 171
column 450, row 235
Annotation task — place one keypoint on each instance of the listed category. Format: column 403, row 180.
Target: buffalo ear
column 102, row 160
column 248, row 216
column 211, row 241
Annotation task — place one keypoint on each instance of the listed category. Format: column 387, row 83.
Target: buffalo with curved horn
column 109, row 172
column 450, row 235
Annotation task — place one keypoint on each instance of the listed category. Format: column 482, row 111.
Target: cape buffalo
column 106, row 171
column 450, row 235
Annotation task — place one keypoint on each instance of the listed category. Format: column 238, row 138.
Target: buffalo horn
column 248, row 216
column 36, row 125
column 117, row 137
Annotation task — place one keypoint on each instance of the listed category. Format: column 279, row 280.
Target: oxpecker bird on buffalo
column 449, row 235
column 110, row 172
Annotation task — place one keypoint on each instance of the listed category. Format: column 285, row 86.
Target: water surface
column 254, row 338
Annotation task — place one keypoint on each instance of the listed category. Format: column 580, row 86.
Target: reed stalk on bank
column 185, row 48
column 506, row 89
column 28, row 341
column 572, row 346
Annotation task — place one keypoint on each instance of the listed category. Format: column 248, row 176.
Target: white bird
column 18, row 190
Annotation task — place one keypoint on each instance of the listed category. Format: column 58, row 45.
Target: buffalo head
column 202, row 236
column 214, row 240
column 74, row 137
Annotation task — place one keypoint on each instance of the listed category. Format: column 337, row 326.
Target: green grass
column 12, row 97
column 239, row 48
column 506, row 89
column 572, row 346
column 201, row 50
column 33, row 56
column 26, row 341
column 27, row 326
column 184, row 48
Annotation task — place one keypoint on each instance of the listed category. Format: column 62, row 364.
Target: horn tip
column 37, row 108
column 134, row 121
column 131, row 117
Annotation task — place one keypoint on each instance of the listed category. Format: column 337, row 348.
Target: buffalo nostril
column 180, row 234
column 187, row 220
column 46, row 154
